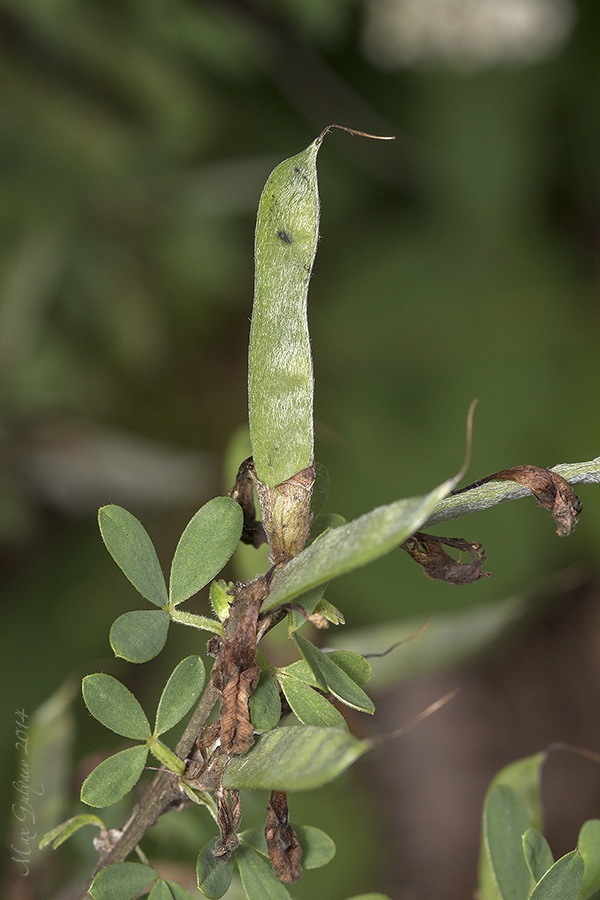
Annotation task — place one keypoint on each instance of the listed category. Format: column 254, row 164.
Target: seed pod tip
column 375, row 137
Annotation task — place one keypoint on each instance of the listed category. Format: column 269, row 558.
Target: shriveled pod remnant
column 280, row 372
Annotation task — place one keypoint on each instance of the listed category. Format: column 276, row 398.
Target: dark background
column 459, row 261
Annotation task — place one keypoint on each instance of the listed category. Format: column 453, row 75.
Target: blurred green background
column 459, row 261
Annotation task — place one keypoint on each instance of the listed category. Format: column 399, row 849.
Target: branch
column 495, row 492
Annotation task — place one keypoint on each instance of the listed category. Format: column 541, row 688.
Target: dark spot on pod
column 285, row 237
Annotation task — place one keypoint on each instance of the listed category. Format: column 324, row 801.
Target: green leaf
column 295, row 759
column 114, row 777
column 128, row 543
column 325, row 523
column 331, row 612
column 214, row 875
column 221, row 595
column 588, row 844
column 205, row 546
column 308, row 706
column 265, row 703
column 355, row 544
column 341, row 685
column 524, row 776
column 62, row 832
column 140, row 635
column 168, row 890
column 562, row 881
column 538, row 855
column 180, row 693
column 124, row 881
column 258, row 879
column 114, row 706
column 353, row 664
column 309, row 602
column 255, row 838
column 311, row 657
column 505, row 820
column 317, row 847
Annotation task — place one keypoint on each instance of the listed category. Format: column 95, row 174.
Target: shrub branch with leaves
column 253, row 744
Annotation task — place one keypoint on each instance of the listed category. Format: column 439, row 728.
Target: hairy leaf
column 309, row 706
column 562, row 881
column 128, row 543
column 168, row 890
column 62, row 832
column 114, row 777
column 265, row 703
column 538, row 855
column 206, row 544
column 295, row 759
column 588, row 844
column 524, row 777
column 505, row 820
column 312, row 658
column 317, row 847
column 353, row 664
column 258, row 879
column 140, row 635
column 213, row 874
column 123, row 881
column 341, row 685
column 180, row 693
column 114, row 706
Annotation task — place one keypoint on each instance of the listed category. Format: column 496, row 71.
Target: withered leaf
column 236, row 672
column 550, row 490
column 243, row 493
column 229, row 815
column 428, row 552
column 283, row 846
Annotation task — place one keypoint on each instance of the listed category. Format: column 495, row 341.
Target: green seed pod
column 280, row 376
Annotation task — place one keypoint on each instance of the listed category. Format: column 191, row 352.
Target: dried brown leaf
column 428, row 552
column 229, row 814
column 243, row 493
column 284, row 848
column 235, row 672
